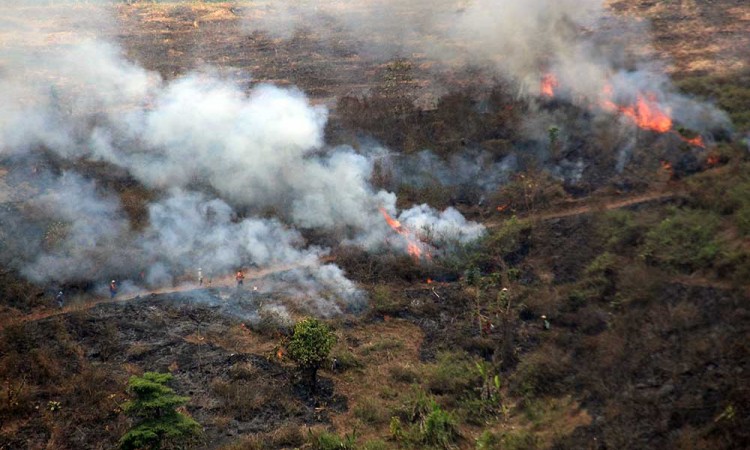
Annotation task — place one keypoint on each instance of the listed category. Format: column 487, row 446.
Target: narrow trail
column 229, row 281
column 222, row 282
column 589, row 207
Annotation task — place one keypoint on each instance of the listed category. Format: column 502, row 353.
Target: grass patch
column 684, row 242
column 371, row 414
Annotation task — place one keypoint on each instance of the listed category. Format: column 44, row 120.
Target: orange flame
column 280, row 353
column 645, row 113
column 667, row 167
column 413, row 245
column 502, row 208
column 712, row 160
column 549, row 83
column 429, row 281
column 697, row 141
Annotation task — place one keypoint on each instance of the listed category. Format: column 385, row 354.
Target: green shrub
column 154, row 409
column 453, row 374
column 685, row 242
column 440, row 428
column 310, row 345
column 510, row 237
column 618, row 230
column 417, row 405
column 331, row 441
column 488, row 441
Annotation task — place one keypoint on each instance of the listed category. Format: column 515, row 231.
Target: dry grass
column 372, row 392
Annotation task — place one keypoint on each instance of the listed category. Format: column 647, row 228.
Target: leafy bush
column 310, row 345
column 154, row 409
column 618, row 230
column 510, row 238
column 488, row 441
column 452, row 374
column 440, row 428
column 686, row 241
column 424, row 422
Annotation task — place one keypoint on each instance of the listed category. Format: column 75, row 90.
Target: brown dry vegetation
column 645, row 350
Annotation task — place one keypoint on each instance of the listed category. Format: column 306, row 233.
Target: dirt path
column 591, row 206
column 223, row 282
column 229, row 281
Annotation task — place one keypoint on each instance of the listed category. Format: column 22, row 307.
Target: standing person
column 545, row 323
column 200, row 276
column 112, row 289
column 240, row 278
column 59, row 298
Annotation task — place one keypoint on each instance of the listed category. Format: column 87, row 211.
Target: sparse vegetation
column 643, row 340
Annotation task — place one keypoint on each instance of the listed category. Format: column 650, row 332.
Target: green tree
column 310, row 346
column 153, row 408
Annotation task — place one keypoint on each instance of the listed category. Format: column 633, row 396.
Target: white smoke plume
column 235, row 174
column 583, row 44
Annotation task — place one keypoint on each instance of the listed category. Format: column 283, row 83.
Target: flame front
column 549, row 83
column 413, row 245
column 646, row 112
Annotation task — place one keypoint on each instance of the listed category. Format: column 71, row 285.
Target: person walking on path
column 200, row 276
column 112, row 289
column 240, row 278
column 60, row 299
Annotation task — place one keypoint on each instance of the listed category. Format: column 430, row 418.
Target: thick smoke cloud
column 234, row 175
column 588, row 49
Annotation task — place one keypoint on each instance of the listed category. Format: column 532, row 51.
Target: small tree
column 310, row 346
column 154, row 410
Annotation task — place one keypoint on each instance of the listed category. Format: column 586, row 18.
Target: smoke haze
column 235, row 174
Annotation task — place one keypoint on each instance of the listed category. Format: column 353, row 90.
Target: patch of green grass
column 686, row 241
column 731, row 93
column 452, row 374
